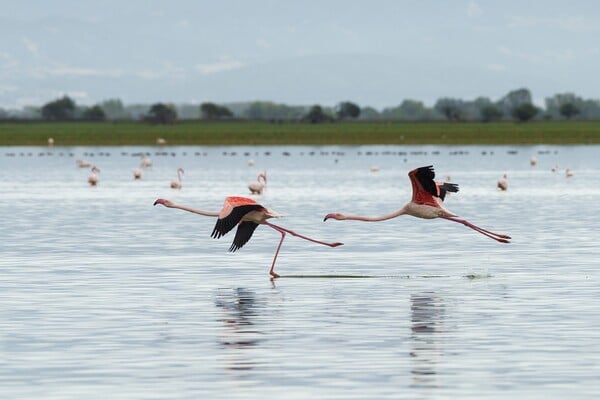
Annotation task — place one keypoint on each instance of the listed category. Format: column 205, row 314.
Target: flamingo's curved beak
column 328, row 216
column 159, row 201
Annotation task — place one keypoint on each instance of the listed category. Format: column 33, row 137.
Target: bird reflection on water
column 239, row 307
column 427, row 319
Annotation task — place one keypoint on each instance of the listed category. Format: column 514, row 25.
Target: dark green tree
column 524, row 112
column 214, row 111
column 162, row 114
column 60, row 109
column 94, row 113
column 490, row 113
column 568, row 110
column 347, row 109
column 450, row 108
column 316, row 115
column 514, row 99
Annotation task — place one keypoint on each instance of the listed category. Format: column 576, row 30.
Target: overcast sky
column 375, row 53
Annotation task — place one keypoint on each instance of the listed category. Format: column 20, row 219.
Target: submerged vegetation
column 231, row 132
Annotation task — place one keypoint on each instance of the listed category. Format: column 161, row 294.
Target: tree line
column 517, row 105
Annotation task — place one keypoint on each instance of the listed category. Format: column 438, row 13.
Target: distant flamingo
column 427, row 203
column 137, row 174
column 503, row 183
column 145, row 162
column 533, row 161
column 83, row 164
column 259, row 184
column 247, row 215
column 569, row 172
column 160, row 141
column 93, row 177
column 176, row 184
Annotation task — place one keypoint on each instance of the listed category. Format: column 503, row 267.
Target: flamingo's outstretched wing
column 445, row 187
column 425, row 188
column 227, row 222
column 423, row 179
column 242, row 235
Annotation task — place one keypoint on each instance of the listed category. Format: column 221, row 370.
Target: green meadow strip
column 297, row 133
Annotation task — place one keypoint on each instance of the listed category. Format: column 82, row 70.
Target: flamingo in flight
column 427, row 203
column 247, row 214
column 259, row 184
column 176, row 184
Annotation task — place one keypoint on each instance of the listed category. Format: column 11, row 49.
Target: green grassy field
column 294, row 133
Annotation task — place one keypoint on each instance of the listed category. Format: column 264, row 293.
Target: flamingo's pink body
column 176, row 183
column 503, row 183
column 246, row 214
column 259, row 184
column 93, row 177
column 427, row 202
column 83, row 164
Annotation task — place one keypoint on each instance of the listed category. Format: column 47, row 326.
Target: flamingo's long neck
column 195, row 211
column 262, row 179
column 395, row 214
column 179, row 175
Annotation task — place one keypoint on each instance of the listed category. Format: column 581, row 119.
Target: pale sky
column 374, row 53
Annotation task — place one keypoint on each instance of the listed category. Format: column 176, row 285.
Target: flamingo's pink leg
column 499, row 237
column 271, row 271
column 280, row 229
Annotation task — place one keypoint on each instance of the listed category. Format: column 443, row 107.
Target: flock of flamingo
column 502, row 183
column 246, row 214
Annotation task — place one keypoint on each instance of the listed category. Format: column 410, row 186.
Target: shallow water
column 103, row 295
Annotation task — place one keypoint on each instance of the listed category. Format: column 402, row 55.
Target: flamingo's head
column 337, row 216
column 164, row 202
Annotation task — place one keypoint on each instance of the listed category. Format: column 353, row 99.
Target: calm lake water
column 103, row 295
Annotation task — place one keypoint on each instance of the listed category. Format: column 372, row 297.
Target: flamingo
column 533, row 161
column 259, row 184
column 137, row 174
column 427, row 203
column 83, row 164
column 247, row 214
column 176, row 184
column 160, row 141
column 503, row 183
column 569, row 172
column 145, row 162
column 93, row 177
